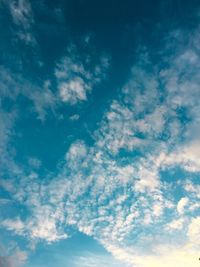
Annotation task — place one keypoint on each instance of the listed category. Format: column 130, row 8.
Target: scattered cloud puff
column 76, row 78
column 175, row 224
column 74, row 117
column 182, row 204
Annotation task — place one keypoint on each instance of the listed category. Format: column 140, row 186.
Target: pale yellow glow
column 187, row 256
column 173, row 259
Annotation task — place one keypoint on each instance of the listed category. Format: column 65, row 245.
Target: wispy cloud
column 14, row 85
column 93, row 260
column 16, row 259
column 23, row 18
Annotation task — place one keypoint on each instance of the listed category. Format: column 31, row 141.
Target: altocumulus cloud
column 123, row 201
column 75, row 76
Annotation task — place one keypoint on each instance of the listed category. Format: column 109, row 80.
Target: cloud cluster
column 114, row 190
column 75, row 76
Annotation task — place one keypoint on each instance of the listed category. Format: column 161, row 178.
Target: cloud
column 15, row 85
column 185, row 155
column 22, row 15
column 17, row 259
column 194, row 231
column 7, row 121
column 183, row 202
column 34, row 162
column 77, row 152
column 13, row 225
column 163, row 256
column 175, row 224
column 76, row 77
column 44, row 225
column 93, row 260
column 113, row 190
column 118, row 199
column 74, row 117
column 73, row 91
column 42, row 98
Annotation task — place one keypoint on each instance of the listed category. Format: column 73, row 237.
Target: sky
column 99, row 133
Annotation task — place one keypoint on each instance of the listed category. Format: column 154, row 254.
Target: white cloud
column 16, row 259
column 45, row 229
column 74, row 117
column 194, row 231
column 163, row 257
column 43, row 225
column 183, row 202
column 186, row 156
column 73, row 91
column 15, row 225
column 120, row 198
column 76, row 77
column 22, row 15
column 77, row 152
column 138, row 122
column 175, row 224
column 148, row 180
column 93, row 260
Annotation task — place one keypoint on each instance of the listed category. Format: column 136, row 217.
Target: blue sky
column 99, row 133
